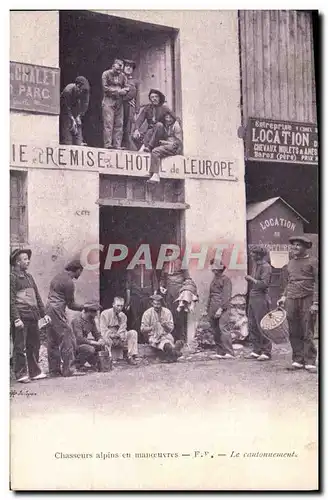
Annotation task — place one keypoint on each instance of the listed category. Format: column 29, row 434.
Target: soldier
column 130, row 104
column 157, row 324
column 218, row 310
column 166, row 142
column 60, row 336
column 26, row 308
column 301, row 300
column 74, row 103
column 87, row 349
column 259, row 303
column 153, row 115
column 114, row 332
column 115, row 87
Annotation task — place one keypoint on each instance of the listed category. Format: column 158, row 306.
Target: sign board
column 113, row 162
column 34, row 88
column 281, row 141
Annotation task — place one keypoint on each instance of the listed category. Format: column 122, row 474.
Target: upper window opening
column 89, row 45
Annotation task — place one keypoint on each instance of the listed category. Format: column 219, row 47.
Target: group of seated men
column 157, row 324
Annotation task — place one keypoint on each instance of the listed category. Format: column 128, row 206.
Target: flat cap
column 74, row 265
column 18, row 251
column 92, row 306
column 301, row 239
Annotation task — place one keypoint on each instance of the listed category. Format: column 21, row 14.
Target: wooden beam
column 110, row 202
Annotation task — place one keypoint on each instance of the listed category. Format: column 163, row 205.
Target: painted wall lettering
column 272, row 140
column 120, row 162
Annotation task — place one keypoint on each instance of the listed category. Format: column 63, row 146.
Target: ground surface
column 199, row 404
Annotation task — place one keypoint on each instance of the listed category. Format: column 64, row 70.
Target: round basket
column 275, row 326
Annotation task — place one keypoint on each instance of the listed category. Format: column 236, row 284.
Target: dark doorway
column 131, row 227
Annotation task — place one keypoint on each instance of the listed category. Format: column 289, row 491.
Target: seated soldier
column 113, row 328
column 168, row 142
column 86, row 349
column 157, row 322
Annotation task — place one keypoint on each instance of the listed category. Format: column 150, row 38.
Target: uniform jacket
column 151, row 114
column 74, row 104
column 262, row 272
column 302, row 278
column 219, row 295
column 111, row 84
column 25, row 300
column 82, row 327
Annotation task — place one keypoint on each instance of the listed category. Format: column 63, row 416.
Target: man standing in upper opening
column 60, row 335
column 130, row 104
column 301, row 299
column 74, row 103
column 115, row 88
column 153, row 114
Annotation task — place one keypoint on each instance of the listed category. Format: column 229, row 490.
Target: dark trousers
column 26, row 347
column 301, row 330
column 258, row 307
column 222, row 335
column 60, row 345
column 112, row 122
column 128, row 118
column 66, row 136
column 86, row 353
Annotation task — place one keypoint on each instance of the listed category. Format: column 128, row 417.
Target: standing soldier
column 301, row 299
column 114, row 84
column 26, row 308
column 74, row 103
column 259, row 303
column 218, row 310
column 60, row 336
column 130, row 104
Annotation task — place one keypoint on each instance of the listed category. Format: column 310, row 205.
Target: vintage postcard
column 164, row 244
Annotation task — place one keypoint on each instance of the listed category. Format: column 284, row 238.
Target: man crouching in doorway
column 113, row 329
column 86, row 349
column 157, row 323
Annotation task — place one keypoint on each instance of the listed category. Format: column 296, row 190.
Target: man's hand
column 136, row 134
column 73, row 127
column 218, row 313
column 101, row 342
column 94, row 343
column 19, row 323
column 47, row 318
column 249, row 278
column 78, row 121
column 314, row 309
column 122, row 92
column 281, row 301
column 163, row 290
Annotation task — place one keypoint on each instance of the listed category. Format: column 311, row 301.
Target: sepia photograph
column 164, row 250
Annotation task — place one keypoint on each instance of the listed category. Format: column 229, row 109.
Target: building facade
column 65, row 199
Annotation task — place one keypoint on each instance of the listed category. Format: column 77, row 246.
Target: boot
column 155, row 179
